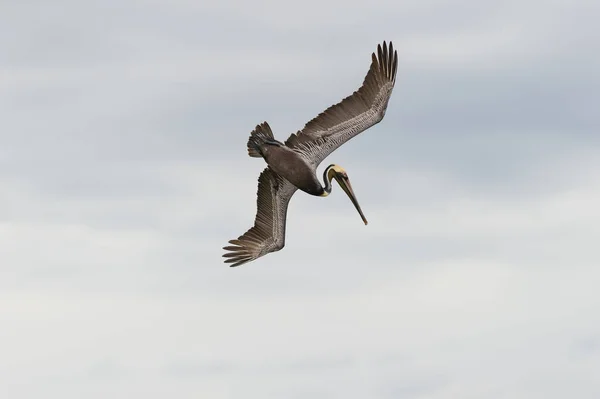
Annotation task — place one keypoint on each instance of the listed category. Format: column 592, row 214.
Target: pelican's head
column 338, row 173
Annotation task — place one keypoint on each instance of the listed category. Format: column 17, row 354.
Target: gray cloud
column 123, row 172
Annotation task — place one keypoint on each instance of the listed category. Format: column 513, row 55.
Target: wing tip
column 238, row 261
column 386, row 60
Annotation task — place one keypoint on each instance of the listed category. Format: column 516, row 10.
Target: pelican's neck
column 327, row 177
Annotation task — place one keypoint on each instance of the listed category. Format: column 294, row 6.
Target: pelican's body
column 293, row 165
column 290, row 165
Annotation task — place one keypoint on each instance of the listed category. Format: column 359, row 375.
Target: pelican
column 293, row 165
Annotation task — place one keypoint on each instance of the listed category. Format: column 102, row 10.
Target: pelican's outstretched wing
column 268, row 233
column 354, row 114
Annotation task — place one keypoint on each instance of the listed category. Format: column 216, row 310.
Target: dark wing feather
column 354, row 114
column 268, row 233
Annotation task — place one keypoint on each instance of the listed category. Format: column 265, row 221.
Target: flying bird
column 293, row 165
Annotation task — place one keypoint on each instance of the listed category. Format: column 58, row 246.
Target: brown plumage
column 293, row 165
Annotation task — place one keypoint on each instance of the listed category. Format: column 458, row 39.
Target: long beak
column 347, row 187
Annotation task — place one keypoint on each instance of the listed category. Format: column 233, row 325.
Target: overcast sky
column 123, row 171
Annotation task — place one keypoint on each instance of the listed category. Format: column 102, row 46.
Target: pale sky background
column 123, row 171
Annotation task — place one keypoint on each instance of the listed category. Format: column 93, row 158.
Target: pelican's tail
column 260, row 136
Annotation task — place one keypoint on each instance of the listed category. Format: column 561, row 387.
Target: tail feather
column 261, row 135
